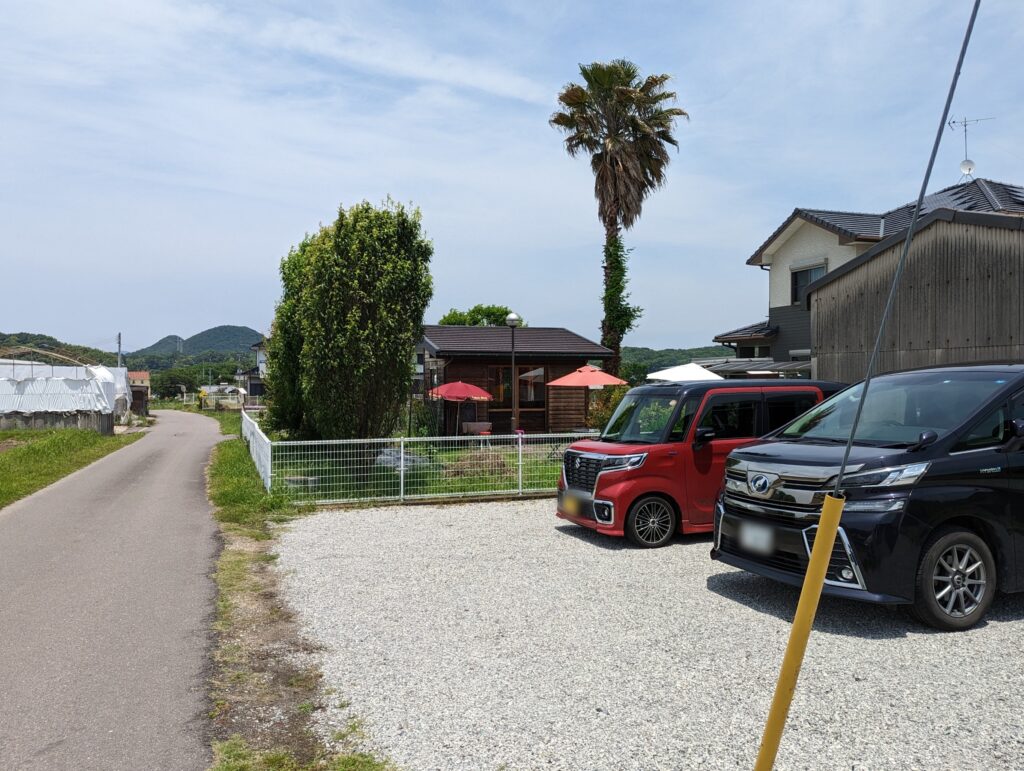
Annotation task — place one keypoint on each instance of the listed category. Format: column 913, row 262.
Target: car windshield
column 898, row 408
column 640, row 419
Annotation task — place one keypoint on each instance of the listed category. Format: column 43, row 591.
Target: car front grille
column 839, row 559
column 792, row 551
column 581, row 471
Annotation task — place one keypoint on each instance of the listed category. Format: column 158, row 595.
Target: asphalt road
column 105, row 606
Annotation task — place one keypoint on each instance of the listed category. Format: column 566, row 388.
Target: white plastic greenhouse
column 38, row 394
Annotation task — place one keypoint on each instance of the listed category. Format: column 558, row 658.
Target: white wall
column 809, row 245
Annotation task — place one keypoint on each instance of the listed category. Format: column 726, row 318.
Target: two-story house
column 813, row 242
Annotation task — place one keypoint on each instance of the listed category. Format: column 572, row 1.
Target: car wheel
column 956, row 580
column 651, row 522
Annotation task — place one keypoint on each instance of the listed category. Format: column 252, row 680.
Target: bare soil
column 265, row 687
column 9, row 444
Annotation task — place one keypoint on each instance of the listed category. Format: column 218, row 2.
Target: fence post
column 401, row 469
column 519, row 439
column 270, row 466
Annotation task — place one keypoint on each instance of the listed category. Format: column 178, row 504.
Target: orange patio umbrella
column 587, row 376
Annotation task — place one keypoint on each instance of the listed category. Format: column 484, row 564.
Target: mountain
column 223, row 339
column 651, row 360
column 45, row 342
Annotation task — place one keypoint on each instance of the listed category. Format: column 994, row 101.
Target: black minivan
column 934, row 513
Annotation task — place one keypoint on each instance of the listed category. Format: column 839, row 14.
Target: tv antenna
column 966, row 165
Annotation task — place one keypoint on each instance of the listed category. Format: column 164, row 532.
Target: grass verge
column 266, row 690
column 31, row 459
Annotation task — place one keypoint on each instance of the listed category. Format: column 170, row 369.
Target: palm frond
column 626, row 125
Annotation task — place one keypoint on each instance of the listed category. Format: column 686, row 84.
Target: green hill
column 225, row 339
column 651, row 360
column 163, row 346
column 220, row 345
column 45, row 342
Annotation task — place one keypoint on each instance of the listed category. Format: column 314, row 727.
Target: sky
column 159, row 158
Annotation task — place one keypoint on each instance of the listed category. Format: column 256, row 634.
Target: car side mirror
column 1015, row 436
column 702, row 436
column 924, row 439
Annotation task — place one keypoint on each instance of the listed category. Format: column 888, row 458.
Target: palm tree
column 624, row 123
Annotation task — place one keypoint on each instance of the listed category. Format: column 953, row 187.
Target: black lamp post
column 513, row 320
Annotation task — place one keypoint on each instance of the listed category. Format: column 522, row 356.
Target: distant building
column 140, row 378
column 253, row 380
column 482, row 356
column 812, row 245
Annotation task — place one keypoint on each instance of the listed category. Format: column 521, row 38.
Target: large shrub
column 286, row 409
column 348, row 322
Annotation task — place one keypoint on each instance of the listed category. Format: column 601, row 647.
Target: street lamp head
column 513, row 320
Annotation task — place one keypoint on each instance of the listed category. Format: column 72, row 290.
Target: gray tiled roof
column 977, row 195
column 758, row 331
column 445, row 340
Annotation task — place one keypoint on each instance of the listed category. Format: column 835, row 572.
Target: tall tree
column 625, row 124
column 477, row 316
column 286, row 408
column 341, row 349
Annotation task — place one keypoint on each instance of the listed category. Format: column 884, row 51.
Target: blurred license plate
column 757, row 538
column 570, row 505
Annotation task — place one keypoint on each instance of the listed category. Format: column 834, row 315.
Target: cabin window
column 801, row 279
column 532, row 386
column 501, row 387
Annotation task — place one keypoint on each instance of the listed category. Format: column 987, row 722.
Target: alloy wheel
column 959, row 580
column 653, row 521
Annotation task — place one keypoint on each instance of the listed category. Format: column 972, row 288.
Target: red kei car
column 658, row 467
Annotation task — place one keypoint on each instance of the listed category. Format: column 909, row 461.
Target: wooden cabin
column 483, row 356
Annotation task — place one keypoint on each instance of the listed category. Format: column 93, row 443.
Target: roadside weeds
column 265, row 689
column 31, row 459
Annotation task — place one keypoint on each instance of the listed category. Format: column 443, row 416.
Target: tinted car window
column 782, row 408
column 899, row 407
column 682, row 424
column 732, row 417
column 640, row 419
column 990, row 431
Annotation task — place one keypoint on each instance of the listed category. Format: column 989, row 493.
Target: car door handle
column 672, row 453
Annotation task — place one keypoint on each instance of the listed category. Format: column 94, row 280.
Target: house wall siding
column 794, row 325
column 959, row 302
column 809, row 245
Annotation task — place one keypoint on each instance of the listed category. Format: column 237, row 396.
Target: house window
column 801, row 279
column 753, row 351
column 532, row 388
column 500, row 386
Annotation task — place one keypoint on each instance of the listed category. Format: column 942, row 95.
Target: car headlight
column 896, row 476
column 623, row 462
column 876, row 506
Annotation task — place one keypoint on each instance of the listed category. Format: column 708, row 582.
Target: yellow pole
column 814, row 579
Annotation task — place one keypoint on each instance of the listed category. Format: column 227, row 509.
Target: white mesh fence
column 406, row 469
column 260, row 448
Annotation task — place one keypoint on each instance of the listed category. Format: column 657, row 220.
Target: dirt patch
column 266, row 686
column 9, row 444
column 489, row 463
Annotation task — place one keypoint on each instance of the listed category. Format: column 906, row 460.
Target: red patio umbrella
column 585, row 377
column 460, row 392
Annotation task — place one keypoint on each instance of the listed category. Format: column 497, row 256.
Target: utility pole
column 119, row 350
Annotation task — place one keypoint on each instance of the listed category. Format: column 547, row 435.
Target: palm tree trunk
column 614, row 275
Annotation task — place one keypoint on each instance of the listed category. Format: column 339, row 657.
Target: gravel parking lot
column 489, row 634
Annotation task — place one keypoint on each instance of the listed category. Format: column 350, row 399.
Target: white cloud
column 173, row 146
